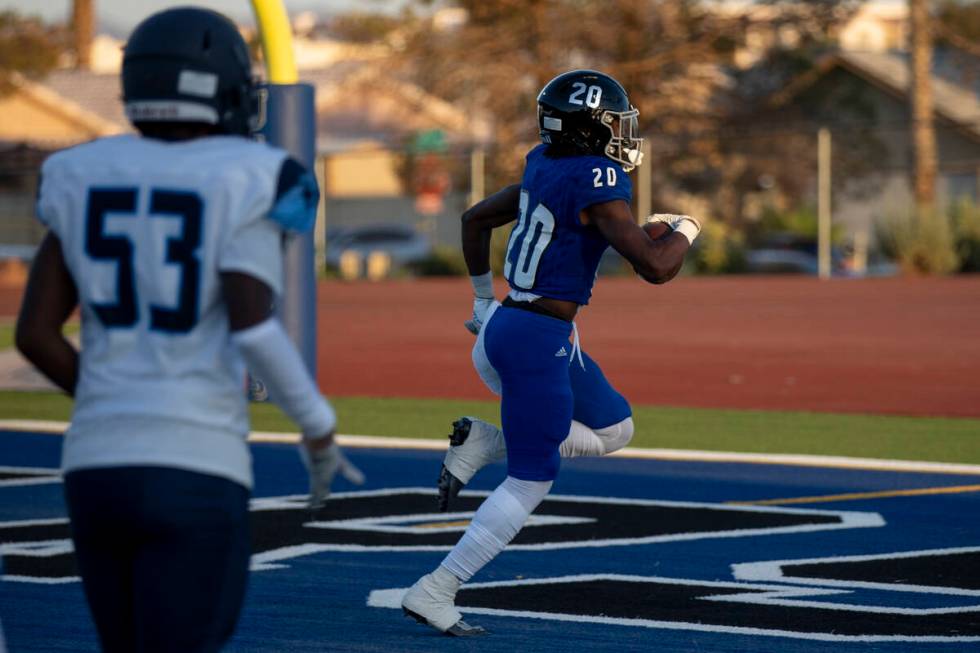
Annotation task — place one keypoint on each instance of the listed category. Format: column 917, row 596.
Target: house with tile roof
column 863, row 99
column 364, row 117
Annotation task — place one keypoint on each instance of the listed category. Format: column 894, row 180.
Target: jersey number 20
column 180, row 250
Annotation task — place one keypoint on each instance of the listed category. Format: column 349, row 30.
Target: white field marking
column 257, row 566
column 391, row 598
column 423, row 524
column 37, row 549
column 33, row 522
column 43, row 480
column 39, row 476
column 772, row 572
column 787, row 599
column 40, row 471
column 261, row 561
column 42, row 581
column 286, row 502
column 848, row 519
column 688, row 455
column 34, row 426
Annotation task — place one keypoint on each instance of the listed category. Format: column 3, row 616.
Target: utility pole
column 644, row 190
column 478, row 175
column 923, row 130
column 823, row 203
column 83, row 31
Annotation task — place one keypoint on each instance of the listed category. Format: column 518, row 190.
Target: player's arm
column 657, row 261
column 49, row 299
column 251, row 276
column 479, row 221
column 271, row 356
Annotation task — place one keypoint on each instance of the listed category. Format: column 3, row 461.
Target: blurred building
column 365, row 117
column 862, row 97
column 876, row 27
column 368, row 120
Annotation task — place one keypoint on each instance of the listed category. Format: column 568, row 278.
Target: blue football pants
column 163, row 554
column 543, row 388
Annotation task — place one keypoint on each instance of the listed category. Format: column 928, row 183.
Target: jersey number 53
column 164, row 204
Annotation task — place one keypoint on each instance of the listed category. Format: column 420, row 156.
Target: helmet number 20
column 593, row 95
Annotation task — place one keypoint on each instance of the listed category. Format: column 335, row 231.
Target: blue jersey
column 551, row 253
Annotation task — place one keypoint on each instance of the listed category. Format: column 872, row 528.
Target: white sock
column 499, row 518
column 584, row 441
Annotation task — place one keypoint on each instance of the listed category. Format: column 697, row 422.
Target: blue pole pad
column 291, row 124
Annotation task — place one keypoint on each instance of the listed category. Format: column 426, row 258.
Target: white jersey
column 146, row 226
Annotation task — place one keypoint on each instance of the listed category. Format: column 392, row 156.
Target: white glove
column 480, row 307
column 322, row 465
column 685, row 224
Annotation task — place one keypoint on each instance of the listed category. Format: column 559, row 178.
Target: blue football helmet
column 190, row 65
column 589, row 112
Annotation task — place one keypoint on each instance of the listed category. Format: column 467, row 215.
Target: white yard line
column 687, row 455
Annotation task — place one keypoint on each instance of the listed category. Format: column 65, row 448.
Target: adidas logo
column 561, row 352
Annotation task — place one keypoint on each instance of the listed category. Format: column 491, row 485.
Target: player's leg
column 473, row 443
column 602, row 424
column 536, row 410
column 191, row 574
column 602, row 419
column 101, row 510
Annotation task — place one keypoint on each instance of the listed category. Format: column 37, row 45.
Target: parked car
column 788, row 254
column 401, row 243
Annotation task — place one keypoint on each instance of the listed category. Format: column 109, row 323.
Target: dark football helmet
column 190, row 65
column 589, row 112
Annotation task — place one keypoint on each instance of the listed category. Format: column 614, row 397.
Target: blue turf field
column 676, row 540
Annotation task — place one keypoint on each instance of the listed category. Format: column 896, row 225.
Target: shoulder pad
column 297, row 197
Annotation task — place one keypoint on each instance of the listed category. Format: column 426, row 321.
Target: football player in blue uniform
column 170, row 242
column 573, row 203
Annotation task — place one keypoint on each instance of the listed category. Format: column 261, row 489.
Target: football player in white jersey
column 169, row 242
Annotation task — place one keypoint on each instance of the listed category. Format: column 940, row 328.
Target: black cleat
column 461, row 431
column 449, row 487
column 463, row 629
column 458, row 629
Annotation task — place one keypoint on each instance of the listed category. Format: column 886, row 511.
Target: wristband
column 272, row 358
column 483, row 285
column 689, row 229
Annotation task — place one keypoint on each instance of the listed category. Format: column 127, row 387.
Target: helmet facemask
column 624, row 144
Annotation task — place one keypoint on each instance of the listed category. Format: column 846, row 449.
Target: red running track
column 900, row 346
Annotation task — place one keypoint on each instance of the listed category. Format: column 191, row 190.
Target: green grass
column 872, row 436
column 6, row 335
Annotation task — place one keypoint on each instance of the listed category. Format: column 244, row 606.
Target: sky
column 124, row 14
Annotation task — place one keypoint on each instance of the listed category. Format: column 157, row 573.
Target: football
column 657, row 229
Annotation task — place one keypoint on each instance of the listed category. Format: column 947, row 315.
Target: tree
column 957, row 23
column 923, row 130
column 27, row 47
column 674, row 56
